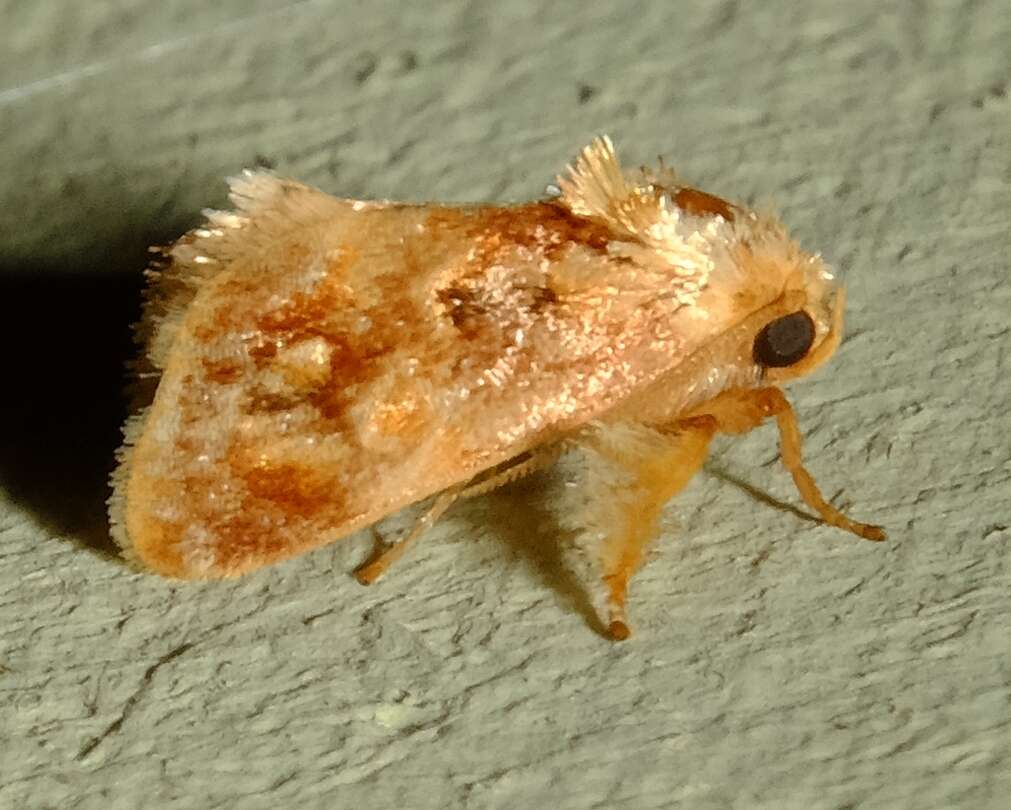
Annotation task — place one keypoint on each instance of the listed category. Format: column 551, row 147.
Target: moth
column 322, row 363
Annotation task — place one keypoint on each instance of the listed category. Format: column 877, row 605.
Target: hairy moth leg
column 632, row 471
column 740, row 410
column 370, row 571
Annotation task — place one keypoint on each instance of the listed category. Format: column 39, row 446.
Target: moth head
column 795, row 344
column 802, row 326
column 786, row 299
column 777, row 308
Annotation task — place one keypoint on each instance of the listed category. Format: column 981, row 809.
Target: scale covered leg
column 740, row 410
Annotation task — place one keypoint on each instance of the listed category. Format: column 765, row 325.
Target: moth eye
column 784, row 341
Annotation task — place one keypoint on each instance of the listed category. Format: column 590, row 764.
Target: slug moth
column 322, row 363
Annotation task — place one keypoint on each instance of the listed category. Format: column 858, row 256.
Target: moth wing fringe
column 117, row 482
column 597, row 186
column 595, row 182
column 266, row 207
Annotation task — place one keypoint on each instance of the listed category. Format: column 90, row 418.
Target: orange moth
column 323, row 363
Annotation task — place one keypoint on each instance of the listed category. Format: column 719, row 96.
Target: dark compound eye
column 784, row 341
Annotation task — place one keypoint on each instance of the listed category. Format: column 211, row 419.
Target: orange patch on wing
column 296, row 489
column 541, row 226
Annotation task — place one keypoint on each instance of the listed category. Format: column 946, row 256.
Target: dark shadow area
column 67, row 338
column 519, row 518
column 759, row 495
column 515, row 515
column 71, row 292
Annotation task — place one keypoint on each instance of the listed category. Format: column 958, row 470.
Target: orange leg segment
column 377, row 566
column 657, row 463
column 740, row 410
column 790, row 451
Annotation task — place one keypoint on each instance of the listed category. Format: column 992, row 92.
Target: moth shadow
column 759, row 495
column 517, row 515
column 67, row 336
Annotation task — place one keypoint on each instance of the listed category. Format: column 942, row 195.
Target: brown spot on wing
column 502, row 283
column 463, row 305
column 700, row 204
column 222, row 371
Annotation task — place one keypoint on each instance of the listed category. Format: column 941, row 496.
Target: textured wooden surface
column 776, row 663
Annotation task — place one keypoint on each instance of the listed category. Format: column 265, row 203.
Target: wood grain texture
column 776, row 663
